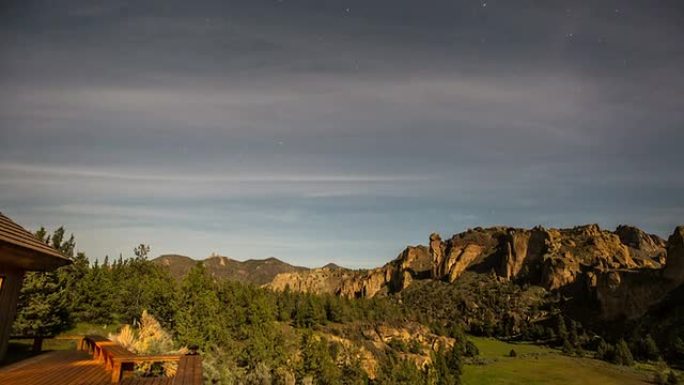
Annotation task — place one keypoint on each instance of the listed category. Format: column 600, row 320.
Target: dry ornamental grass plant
column 148, row 338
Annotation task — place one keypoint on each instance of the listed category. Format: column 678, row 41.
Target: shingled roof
column 20, row 248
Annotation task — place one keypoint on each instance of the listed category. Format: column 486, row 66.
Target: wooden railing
column 37, row 345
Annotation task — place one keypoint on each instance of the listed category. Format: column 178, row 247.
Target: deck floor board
column 67, row 368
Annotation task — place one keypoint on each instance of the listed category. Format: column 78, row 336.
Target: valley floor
column 535, row 365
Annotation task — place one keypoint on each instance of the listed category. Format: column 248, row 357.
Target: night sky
column 318, row 131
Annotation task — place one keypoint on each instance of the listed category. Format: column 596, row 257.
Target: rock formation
column 630, row 293
column 616, row 268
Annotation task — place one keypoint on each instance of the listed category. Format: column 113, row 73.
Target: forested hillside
column 249, row 334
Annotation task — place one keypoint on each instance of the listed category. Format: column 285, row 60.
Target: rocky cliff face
column 585, row 260
column 412, row 263
column 630, row 293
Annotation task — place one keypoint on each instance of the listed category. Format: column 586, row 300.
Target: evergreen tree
column 46, row 298
column 446, row 365
column 622, row 355
column 285, row 305
column 144, row 285
column 264, row 341
column 397, row 371
column 561, row 329
column 676, row 349
column 96, row 296
column 198, row 320
column 604, row 351
column 43, row 309
column 353, row 373
column 333, row 309
column 649, row 349
column 567, row 347
column 317, row 362
column 573, row 335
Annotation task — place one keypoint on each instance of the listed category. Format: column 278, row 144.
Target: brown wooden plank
column 60, row 368
column 186, row 373
column 78, row 368
column 197, row 370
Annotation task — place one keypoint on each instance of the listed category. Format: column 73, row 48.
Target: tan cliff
column 630, row 293
column 584, row 260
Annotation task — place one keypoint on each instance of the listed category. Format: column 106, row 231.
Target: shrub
column 604, row 351
column 672, row 378
column 649, row 349
column 567, row 347
column 149, row 338
column 398, row 344
column 415, row 347
column 659, row 378
column 471, row 349
column 261, row 375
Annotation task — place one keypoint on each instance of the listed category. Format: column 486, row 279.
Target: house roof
column 21, row 249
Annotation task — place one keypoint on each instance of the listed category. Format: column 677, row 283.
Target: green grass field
column 536, row 365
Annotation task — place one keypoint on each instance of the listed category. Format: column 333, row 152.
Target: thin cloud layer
column 325, row 130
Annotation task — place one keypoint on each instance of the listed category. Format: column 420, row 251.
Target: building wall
column 9, row 294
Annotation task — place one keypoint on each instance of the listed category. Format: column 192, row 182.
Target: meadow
column 536, row 365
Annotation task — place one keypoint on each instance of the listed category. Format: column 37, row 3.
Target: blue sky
column 318, row 131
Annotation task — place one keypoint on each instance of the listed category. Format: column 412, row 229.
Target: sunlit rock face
column 620, row 269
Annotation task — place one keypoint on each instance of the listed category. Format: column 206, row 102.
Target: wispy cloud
column 31, row 171
column 304, row 131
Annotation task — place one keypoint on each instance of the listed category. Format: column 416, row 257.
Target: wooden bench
column 94, row 344
column 118, row 359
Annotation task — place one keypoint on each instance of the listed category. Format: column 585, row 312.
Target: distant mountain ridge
column 256, row 271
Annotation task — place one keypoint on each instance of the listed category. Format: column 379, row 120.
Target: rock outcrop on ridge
column 626, row 270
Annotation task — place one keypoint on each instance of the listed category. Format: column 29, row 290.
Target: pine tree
column 567, row 347
column 397, row 371
column 198, row 320
column 446, row 366
column 96, row 296
column 561, row 329
column 43, row 309
column 622, row 355
column 649, row 348
column 604, row 351
column 144, row 285
column 573, row 335
column 317, row 362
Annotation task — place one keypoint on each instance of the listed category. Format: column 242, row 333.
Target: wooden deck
column 73, row 367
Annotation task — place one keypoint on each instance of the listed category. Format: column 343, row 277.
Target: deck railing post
column 116, row 371
column 37, row 344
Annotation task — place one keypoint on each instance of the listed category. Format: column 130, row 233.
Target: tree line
column 248, row 335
